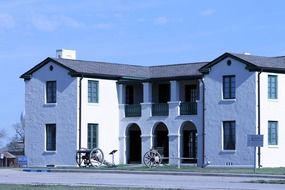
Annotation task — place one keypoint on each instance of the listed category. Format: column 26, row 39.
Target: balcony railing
column 188, row 108
column 160, row 109
column 133, row 110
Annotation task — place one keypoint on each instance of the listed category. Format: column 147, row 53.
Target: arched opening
column 133, row 145
column 160, row 140
column 188, row 142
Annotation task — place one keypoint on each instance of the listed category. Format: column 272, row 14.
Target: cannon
column 152, row 158
column 89, row 157
column 93, row 157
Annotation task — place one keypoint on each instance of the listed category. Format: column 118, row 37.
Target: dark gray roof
column 103, row 68
column 252, row 62
column 177, row 70
column 261, row 61
column 119, row 71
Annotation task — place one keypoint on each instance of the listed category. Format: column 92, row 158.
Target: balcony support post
column 147, row 92
column 122, row 94
column 174, row 91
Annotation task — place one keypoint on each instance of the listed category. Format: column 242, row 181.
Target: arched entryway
column 133, row 144
column 160, row 140
column 188, row 142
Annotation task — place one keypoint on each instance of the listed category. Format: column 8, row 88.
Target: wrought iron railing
column 133, row 110
column 160, row 109
column 188, row 108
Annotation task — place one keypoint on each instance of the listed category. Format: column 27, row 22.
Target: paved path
column 9, row 176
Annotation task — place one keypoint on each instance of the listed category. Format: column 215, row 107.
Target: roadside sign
column 255, row 140
column 22, row 161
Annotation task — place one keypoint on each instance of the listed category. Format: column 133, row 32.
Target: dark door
column 190, row 146
column 163, row 93
column 190, row 93
column 135, row 146
column 129, row 94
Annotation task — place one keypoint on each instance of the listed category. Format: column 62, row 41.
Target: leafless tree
column 2, row 135
column 19, row 134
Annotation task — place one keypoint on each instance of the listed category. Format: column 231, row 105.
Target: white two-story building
column 192, row 113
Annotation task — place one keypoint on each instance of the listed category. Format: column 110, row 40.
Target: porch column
column 122, row 94
column 174, row 99
column 122, row 148
column 174, row 91
column 147, row 92
column 174, row 149
column 146, row 144
column 147, row 100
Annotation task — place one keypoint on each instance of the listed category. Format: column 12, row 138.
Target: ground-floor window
column 272, row 133
column 92, row 141
column 229, row 135
column 51, row 137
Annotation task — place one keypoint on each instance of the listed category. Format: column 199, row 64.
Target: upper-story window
column 272, row 86
column 272, row 133
column 51, row 92
column 229, row 135
column 229, row 87
column 93, row 91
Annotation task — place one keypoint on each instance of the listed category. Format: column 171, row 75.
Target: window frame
column 90, row 138
column 272, row 141
column 231, row 88
column 50, row 139
column 231, row 124
column 93, row 93
column 272, row 87
column 51, row 92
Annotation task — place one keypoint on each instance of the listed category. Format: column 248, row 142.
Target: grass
column 271, row 171
column 62, row 187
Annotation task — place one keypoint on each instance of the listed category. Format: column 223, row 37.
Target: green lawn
column 274, row 171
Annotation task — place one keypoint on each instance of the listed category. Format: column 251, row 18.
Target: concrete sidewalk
column 151, row 172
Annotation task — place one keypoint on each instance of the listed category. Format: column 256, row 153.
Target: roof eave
column 268, row 69
column 207, row 68
column 28, row 75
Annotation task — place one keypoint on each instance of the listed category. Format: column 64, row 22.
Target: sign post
column 254, row 141
column 2, row 159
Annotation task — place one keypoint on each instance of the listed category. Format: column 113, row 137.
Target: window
column 272, row 133
column 229, row 87
column 51, row 92
column 92, row 136
column 191, row 93
column 50, row 137
column 272, row 86
column 229, row 135
column 92, row 91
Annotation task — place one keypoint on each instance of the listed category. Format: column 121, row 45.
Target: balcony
column 133, row 110
column 160, row 109
column 188, row 108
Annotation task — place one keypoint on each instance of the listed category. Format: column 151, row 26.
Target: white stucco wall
column 105, row 113
column 63, row 114
column 242, row 110
column 272, row 110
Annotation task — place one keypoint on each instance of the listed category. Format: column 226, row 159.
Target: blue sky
column 144, row 32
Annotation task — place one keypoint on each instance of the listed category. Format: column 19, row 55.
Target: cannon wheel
column 96, row 157
column 152, row 158
column 80, row 157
